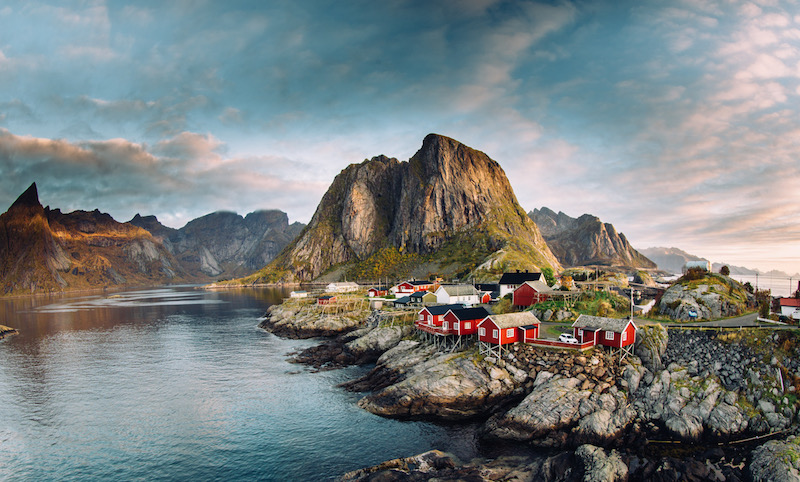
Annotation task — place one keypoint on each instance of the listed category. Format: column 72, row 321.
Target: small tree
column 764, row 299
column 725, row 271
column 549, row 276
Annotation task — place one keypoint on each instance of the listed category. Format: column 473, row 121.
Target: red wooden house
column 531, row 292
column 463, row 321
column 496, row 331
column 408, row 287
column 430, row 321
column 433, row 316
column 617, row 333
column 375, row 292
column 326, row 300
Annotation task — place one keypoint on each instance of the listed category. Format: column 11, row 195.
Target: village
column 455, row 316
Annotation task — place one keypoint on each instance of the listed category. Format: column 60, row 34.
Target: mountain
column 670, row 259
column 449, row 210
column 673, row 260
column 44, row 250
column 586, row 241
column 225, row 243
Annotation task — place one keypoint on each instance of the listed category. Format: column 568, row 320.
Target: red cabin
column 433, row 316
column 495, row 331
column 619, row 333
column 375, row 292
column 408, row 287
column 463, row 321
column 531, row 292
column 326, row 300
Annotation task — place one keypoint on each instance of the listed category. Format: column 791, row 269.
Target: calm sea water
column 177, row 384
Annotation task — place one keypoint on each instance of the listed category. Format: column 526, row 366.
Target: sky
column 678, row 122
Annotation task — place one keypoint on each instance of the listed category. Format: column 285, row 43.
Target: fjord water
column 179, row 383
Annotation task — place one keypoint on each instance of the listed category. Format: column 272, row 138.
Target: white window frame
column 510, row 332
column 625, row 336
column 467, row 325
column 481, row 331
column 496, row 334
column 455, row 325
column 609, row 335
column 445, row 324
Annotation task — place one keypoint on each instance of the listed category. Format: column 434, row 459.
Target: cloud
column 178, row 179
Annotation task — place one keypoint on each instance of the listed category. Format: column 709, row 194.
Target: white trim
column 482, row 331
column 609, row 335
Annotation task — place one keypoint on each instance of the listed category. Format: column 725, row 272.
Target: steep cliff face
column 586, row 240
column 224, row 243
column 447, row 199
column 45, row 250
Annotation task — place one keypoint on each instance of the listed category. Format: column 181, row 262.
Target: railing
column 560, row 344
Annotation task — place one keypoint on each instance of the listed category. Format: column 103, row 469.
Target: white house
column 463, row 294
column 343, row 287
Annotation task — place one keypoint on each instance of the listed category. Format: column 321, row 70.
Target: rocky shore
column 676, row 411
column 303, row 320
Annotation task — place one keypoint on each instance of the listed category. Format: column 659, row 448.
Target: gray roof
column 616, row 325
column 513, row 320
column 459, row 290
column 539, row 286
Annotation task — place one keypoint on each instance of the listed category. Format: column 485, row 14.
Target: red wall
column 503, row 333
column 525, row 295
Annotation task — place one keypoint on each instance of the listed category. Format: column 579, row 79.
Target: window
column 510, row 332
column 444, row 325
column 495, row 334
column 482, row 331
column 580, row 333
column 467, row 325
column 455, row 325
column 421, row 317
column 609, row 335
column 624, row 336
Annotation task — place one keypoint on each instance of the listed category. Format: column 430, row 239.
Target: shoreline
column 642, row 442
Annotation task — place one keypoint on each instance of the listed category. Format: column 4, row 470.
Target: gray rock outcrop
column 776, row 461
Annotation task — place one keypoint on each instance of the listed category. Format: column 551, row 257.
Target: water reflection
column 179, row 383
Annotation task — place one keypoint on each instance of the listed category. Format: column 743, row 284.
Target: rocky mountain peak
column 29, row 198
column 445, row 190
column 586, row 240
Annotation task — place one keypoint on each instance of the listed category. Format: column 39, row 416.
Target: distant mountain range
column 673, row 259
column 225, row 244
column 587, row 241
column 44, row 250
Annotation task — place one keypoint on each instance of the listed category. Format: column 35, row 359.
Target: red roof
column 790, row 302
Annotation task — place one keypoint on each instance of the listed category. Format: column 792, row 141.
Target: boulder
column 601, row 466
column 552, row 405
column 651, row 343
column 441, row 386
column 776, row 461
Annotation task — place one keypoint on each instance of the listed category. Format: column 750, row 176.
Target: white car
column 567, row 338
